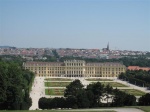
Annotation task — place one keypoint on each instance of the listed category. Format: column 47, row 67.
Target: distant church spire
column 108, row 46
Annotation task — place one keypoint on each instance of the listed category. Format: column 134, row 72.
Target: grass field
column 59, row 92
column 56, row 84
column 113, row 84
column 144, row 108
column 133, row 92
column 57, row 79
column 54, row 111
column 95, row 79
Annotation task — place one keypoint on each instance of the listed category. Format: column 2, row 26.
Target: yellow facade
column 75, row 68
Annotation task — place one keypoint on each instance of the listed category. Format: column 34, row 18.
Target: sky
column 91, row 24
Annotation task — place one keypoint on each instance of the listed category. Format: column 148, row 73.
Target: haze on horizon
column 125, row 24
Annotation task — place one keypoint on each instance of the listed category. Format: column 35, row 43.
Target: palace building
column 75, row 68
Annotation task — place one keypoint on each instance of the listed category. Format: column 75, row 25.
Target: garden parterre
column 54, row 91
column 60, row 91
column 133, row 92
column 56, row 84
column 57, row 79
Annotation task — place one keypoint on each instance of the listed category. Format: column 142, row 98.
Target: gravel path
column 37, row 92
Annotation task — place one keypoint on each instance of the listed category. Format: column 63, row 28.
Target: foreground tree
column 14, row 89
column 3, row 83
column 145, row 100
column 97, row 89
column 43, row 103
column 82, row 99
column 123, row 99
column 73, row 88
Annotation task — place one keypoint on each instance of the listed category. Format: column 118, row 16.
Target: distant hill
column 7, row 47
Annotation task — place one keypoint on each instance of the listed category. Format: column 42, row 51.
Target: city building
column 75, row 68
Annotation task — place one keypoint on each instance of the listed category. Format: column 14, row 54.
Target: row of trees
column 15, row 84
column 141, row 60
column 139, row 77
column 76, row 96
column 13, row 58
column 127, row 61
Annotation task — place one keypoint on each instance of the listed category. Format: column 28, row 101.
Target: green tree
column 82, row 99
column 145, row 100
column 130, row 100
column 91, row 97
column 43, row 103
column 14, row 89
column 3, row 83
column 73, row 88
column 119, row 98
column 97, row 89
column 71, row 102
column 123, row 99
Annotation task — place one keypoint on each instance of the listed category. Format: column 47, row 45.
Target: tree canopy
column 15, row 85
column 138, row 77
column 145, row 100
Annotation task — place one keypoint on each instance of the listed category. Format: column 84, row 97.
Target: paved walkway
column 37, row 92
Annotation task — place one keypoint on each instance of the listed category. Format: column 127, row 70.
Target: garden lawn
column 98, row 79
column 133, row 92
column 57, row 79
column 144, row 108
column 113, row 84
column 56, row 84
column 52, row 111
column 54, row 91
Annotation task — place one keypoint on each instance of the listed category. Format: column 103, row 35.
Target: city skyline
column 87, row 24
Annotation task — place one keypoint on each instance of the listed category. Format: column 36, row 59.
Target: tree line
column 15, row 85
column 141, row 61
column 77, row 96
column 138, row 77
